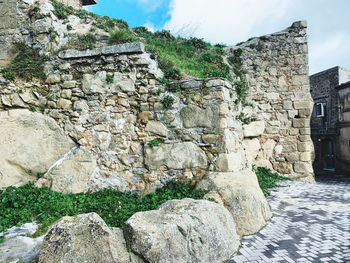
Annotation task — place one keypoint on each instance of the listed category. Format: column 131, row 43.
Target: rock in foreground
column 241, row 194
column 183, row 231
column 84, row 238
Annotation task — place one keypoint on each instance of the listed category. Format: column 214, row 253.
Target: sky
column 233, row 21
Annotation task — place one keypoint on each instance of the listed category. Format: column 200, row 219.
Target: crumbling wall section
column 138, row 132
column 276, row 72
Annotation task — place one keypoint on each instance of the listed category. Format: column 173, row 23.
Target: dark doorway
column 328, row 150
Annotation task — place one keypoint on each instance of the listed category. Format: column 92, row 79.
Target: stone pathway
column 311, row 223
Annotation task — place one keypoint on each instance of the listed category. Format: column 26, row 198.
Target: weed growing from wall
column 267, row 179
column 168, row 102
column 27, row 64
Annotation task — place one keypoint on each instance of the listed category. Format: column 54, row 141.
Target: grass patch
column 27, row 64
column 121, row 36
column 155, row 143
column 193, row 56
column 29, row 203
column 267, row 179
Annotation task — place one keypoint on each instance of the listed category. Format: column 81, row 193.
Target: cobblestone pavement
column 311, row 223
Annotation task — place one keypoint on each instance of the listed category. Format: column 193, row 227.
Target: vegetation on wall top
column 193, row 56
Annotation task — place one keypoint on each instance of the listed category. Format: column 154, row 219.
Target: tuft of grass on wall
column 29, row 203
column 267, row 179
column 121, row 36
column 193, row 56
column 27, row 64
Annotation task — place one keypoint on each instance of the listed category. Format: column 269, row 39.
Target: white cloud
column 150, row 26
column 227, row 21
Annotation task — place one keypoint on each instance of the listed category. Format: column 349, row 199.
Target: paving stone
column 311, row 223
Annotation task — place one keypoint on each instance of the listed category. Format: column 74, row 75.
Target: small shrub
column 10, row 76
column 173, row 87
column 267, row 179
column 172, row 74
column 164, row 35
column 168, row 102
column 110, row 79
column 197, row 43
column 155, row 143
column 121, row 36
column 32, row 108
column 241, row 90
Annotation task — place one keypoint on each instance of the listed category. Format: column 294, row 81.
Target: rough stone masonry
column 111, row 125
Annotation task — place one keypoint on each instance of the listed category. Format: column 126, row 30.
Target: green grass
column 29, row 203
column 267, row 179
column 193, row 56
column 121, row 36
column 155, row 143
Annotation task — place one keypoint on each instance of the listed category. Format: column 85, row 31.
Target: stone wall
column 122, row 132
column 114, row 123
column 276, row 69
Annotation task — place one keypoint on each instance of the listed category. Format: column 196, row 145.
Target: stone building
column 327, row 117
column 344, row 126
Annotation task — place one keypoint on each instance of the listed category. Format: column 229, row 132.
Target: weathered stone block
column 303, row 167
column 292, row 157
column 64, row 104
column 283, row 168
column 305, row 146
column 175, row 156
column 158, row 128
column 305, row 131
column 287, row 105
column 254, row 129
column 301, row 123
column 305, row 113
column 299, row 105
column 305, row 156
column 183, row 231
column 193, row 117
column 241, row 194
column 229, row 162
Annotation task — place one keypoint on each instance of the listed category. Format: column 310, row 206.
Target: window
column 320, row 109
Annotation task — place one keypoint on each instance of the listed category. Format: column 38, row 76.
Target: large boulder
column 175, row 156
column 84, row 238
column 242, row 196
column 29, row 144
column 183, row 231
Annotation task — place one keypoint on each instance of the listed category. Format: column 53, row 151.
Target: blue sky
column 232, row 21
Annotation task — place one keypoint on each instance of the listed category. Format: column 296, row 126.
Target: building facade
column 326, row 119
